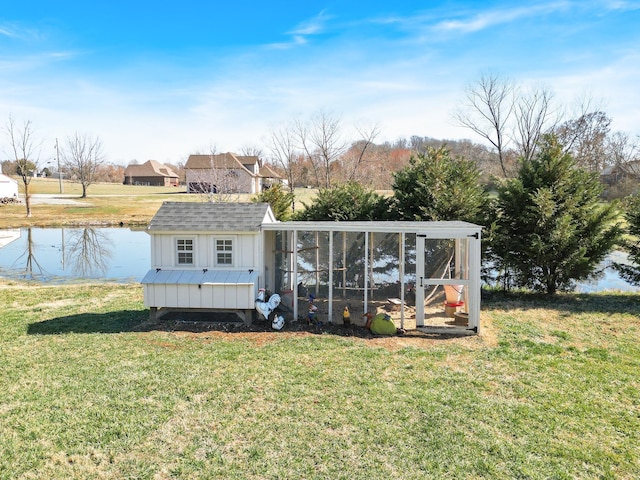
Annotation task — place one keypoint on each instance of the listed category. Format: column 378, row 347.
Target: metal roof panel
column 200, row 277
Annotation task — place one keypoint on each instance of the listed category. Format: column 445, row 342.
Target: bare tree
column 110, row 172
column 284, row 154
column 302, row 133
column 8, row 167
column 624, row 151
column 623, row 155
column 487, row 112
column 585, row 138
column 25, row 151
column 251, row 151
column 322, row 142
column 533, row 113
column 82, row 156
column 360, row 150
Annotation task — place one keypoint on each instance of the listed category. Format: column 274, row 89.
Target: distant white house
column 8, row 187
column 227, row 173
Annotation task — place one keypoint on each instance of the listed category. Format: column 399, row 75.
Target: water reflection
column 64, row 254
column 57, row 255
column 31, row 258
column 609, row 276
column 88, row 252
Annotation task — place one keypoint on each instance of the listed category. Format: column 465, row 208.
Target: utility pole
column 59, row 171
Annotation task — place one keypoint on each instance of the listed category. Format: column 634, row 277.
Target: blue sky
column 160, row 80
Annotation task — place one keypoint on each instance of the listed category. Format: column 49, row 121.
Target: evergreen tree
column 435, row 186
column 551, row 229
column 348, row 202
column 281, row 201
column 631, row 273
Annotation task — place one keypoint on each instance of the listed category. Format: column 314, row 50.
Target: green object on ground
column 382, row 324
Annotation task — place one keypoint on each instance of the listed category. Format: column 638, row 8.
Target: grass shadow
column 110, row 322
column 124, row 321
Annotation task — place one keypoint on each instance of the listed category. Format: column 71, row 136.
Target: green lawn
column 89, row 389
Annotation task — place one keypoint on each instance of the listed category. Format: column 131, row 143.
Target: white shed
column 8, row 187
column 206, row 256
column 406, row 268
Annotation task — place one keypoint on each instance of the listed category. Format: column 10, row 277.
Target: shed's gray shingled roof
column 208, row 217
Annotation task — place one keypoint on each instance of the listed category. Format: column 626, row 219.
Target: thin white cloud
column 604, row 83
column 312, row 26
column 300, row 33
column 16, row 31
column 24, row 63
column 296, row 41
column 490, row 18
column 6, row 31
column 621, row 5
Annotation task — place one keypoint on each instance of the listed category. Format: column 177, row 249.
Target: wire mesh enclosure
column 419, row 277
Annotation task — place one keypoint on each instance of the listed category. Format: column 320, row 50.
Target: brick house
column 151, row 173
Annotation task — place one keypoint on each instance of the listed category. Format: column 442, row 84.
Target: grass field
column 106, row 204
column 90, row 389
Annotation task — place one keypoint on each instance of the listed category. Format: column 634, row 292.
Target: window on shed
column 224, row 252
column 184, row 248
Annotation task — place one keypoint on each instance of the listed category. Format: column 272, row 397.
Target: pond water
column 609, row 278
column 57, row 255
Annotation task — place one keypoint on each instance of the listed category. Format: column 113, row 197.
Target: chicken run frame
column 407, row 268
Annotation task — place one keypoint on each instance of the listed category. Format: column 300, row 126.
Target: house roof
column 7, row 179
column 267, row 172
column 631, row 167
column 211, row 217
column 221, row 160
column 150, row 168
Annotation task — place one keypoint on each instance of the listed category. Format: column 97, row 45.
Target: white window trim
column 234, row 246
column 176, row 252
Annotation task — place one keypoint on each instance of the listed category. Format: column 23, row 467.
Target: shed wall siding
column 8, row 187
column 221, row 297
column 245, row 251
column 220, row 289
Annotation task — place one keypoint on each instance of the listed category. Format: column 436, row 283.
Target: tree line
column 545, row 228
column 321, row 151
column 508, row 118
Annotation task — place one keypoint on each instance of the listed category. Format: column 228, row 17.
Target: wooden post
column 344, row 264
column 366, row 272
column 401, row 272
column 294, row 244
column 317, row 268
column 330, row 319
